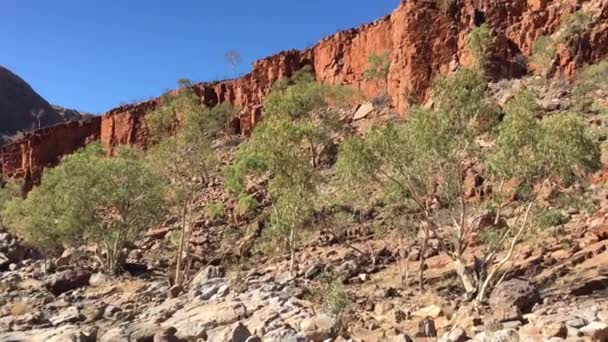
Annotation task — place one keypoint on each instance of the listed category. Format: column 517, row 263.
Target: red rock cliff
column 424, row 38
column 26, row 158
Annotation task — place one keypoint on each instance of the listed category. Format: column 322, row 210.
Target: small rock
column 511, row 324
column 113, row 335
column 596, row 330
column 573, row 332
column 174, row 291
column 403, row 338
column 98, row 279
column 284, row 277
column 363, row 110
column 382, row 307
column 253, row 339
column 69, row 315
column 237, row 333
column 313, row 271
column 432, row 311
column 509, row 335
column 208, row 273
column 348, row 269
column 456, row 335
column 168, row 335
column 426, row 328
column 88, row 334
column 555, row 330
column 67, row 280
column 577, row 322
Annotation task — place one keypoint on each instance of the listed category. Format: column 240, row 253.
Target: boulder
column 432, row 311
column 313, row 270
column 455, row 335
column 168, row 335
column 513, row 298
column 319, row 328
column 114, row 335
column 98, row 279
column 208, row 273
column 508, row 335
column 69, row 315
column 67, row 280
column 555, row 330
column 363, row 110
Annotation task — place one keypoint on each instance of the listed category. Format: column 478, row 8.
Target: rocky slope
column 21, row 107
column 555, row 291
column 423, row 37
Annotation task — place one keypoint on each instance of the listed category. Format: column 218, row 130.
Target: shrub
column 245, row 205
column 480, row 45
column 90, row 197
column 215, row 210
column 578, row 22
column 378, row 69
column 183, row 130
column 287, row 145
column 337, row 300
column 543, row 53
column 593, row 78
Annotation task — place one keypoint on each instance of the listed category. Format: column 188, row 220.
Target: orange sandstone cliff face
column 424, row 38
column 26, row 158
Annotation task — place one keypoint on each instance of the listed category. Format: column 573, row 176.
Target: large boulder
column 67, row 280
column 513, row 298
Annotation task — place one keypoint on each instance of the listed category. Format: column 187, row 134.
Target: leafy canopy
column 287, row 145
column 89, row 197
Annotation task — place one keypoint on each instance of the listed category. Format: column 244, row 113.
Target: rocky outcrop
column 27, row 157
column 424, row 38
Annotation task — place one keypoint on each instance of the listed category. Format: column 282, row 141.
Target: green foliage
column 558, row 147
column 566, row 147
column 184, row 111
column 544, row 218
column 578, row 202
column 90, row 197
column 215, row 210
column 337, row 300
column 9, row 190
column 245, row 204
column 480, row 44
column 287, row 145
column 379, row 67
column 517, row 153
column 543, row 53
column 407, row 158
column 593, row 78
column 578, row 22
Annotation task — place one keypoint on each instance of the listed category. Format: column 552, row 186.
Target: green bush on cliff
column 87, row 198
column 480, row 45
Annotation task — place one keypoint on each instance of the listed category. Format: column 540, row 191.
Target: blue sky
column 94, row 55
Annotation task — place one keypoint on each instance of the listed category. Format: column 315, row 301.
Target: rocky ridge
column 424, row 37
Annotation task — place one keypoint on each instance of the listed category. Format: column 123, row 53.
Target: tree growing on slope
column 287, row 145
column 184, row 157
column 89, row 197
column 423, row 161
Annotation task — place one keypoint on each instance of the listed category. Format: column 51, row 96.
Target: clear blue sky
column 95, row 54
